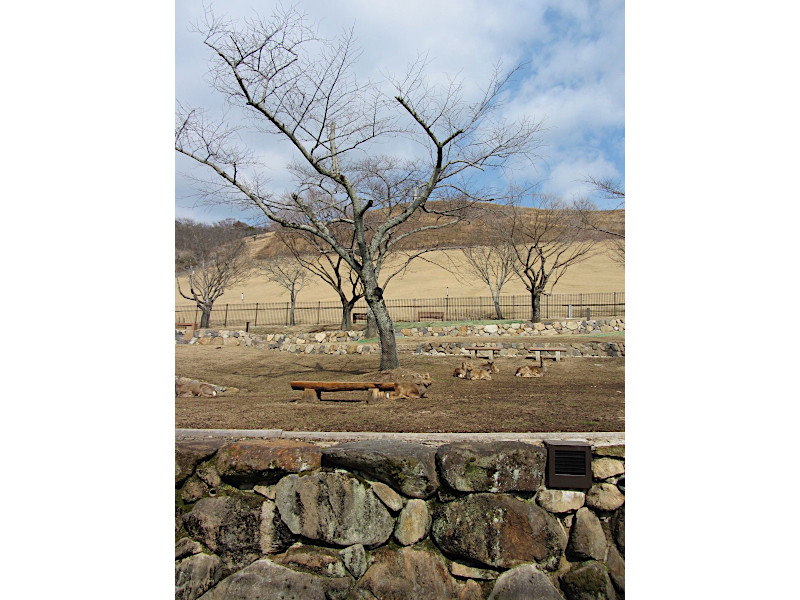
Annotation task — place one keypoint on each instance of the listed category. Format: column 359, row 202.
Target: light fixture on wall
column 569, row 465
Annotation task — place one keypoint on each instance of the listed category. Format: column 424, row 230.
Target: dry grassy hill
column 435, row 272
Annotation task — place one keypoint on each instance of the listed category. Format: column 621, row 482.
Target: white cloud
column 574, row 76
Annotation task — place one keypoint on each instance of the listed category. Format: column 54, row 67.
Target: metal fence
column 554, row 306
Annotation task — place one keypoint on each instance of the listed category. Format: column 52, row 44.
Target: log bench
column 312, row 390
column 430, row 316
column 186, row 325
column 537, row 352
column 475, row 349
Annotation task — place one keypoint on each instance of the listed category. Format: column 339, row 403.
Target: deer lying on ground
column 187, row 389
column 411, row 390
column 480, row 373
column 463, row 370
column 491, row 367
column 528, row 371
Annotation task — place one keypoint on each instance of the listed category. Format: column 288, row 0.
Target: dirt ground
column 576, row 394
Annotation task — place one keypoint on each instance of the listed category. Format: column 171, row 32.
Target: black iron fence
column 555, row 306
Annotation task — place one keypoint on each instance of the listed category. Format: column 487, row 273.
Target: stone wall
column 279, row 519
column 512, row 338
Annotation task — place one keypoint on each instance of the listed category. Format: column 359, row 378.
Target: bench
column 186, row 325
column 312, row 390
column 490, row 349
column 537, row 352
column 359, row 317
column 430, row 316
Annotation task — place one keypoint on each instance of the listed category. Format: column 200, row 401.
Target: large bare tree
column 213, row 257
column 304, row 90
column 544, row 241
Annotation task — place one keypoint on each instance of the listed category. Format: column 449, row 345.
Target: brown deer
column 188, row 389
column 528, row 371
column 491, row 367
column 463, row 370
column 411, row 390
column 480, row 373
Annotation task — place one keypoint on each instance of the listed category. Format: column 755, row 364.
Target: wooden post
column 310, row 395
column 225, row 323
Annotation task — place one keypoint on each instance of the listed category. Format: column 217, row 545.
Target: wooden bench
column 359, row 317
column 186, row 325
column 490, row 349
column 312, row 390
column 537, row 352
column 430, row 316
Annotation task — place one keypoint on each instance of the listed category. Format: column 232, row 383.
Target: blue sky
column 573, row 80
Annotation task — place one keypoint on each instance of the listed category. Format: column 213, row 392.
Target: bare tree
column 214, row 257
column 593, row 220
column 287, row 273
column 545, row 241
column 493, row 265
column 320, row 260
column 304, row 90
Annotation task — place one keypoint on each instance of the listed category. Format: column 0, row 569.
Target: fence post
column 319, row 307
column 588, row 314
column 225, row 323
column 255, row 321
column 615, row 305
column 287, row 313
column 569, row 311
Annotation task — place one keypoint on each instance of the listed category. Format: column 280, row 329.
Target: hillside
column 438, row 272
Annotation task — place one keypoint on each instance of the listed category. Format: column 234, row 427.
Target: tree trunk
column 536, row 305
column 371, row 330
column 291, row 311
column 347, row 313
column 205, row 316
column 389, row 358
column 497, row 309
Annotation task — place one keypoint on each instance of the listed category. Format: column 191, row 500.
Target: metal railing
column 554, row 306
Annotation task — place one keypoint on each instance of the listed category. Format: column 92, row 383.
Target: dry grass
column 577, row 394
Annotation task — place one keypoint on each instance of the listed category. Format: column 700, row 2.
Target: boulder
column 335, row 508
column 265, row 460
column 354, row 559
column 589, row 581
column 586, row 539
column 618, row 529
column 524, row 582
column 471, row 591
column 267, row 580
column 409, row 573
column 604, row 468
column 468, row 572
column 560, row 501
column 498, row 530
column 616, row 568
column 408, row 468
column 274, row 535
column 228, row 526
column 413, row 523
column 388, row 496
column 189, row 454
column 196, row 574
column 605, row 497
column 492, row 467
column 187, row 547
column 314, row 559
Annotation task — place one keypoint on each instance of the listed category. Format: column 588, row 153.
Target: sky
column 572, row 80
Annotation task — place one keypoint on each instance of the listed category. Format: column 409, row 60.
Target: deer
column 188, row 389
column 491, row 367
column 463, row 371
column 422, row 381
column 480, row 373
column 528, row 371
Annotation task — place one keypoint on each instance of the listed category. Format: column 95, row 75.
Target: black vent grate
column 570, row 462
column 569, row 465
